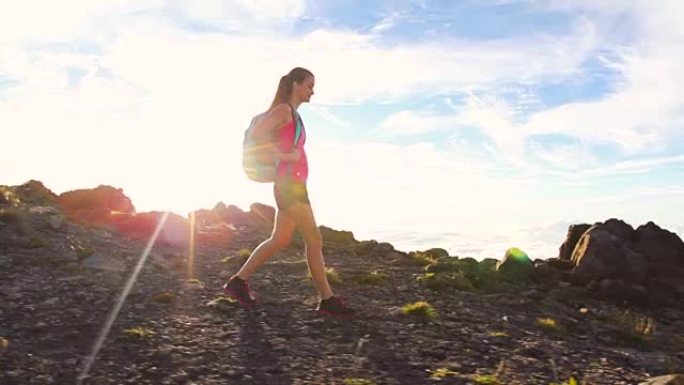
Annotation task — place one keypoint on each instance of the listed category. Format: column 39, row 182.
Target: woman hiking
column 291, row 196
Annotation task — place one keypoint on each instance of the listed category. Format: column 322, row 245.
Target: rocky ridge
column 608, row 310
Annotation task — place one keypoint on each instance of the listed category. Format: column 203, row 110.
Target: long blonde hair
column 298, row 74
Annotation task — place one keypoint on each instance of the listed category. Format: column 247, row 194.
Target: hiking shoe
column 238, row 289
column 335, row 307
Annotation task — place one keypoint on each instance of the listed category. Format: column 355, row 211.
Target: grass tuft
column 570, row 381
column 137, row 333
column 443, row 373
column 421, row 258
column 373, row 278
column 165, row 297
column 498, row 334
column 420, row 309
column 357, row 381
column 333, row 275
column 547, row 323
column 486, row 379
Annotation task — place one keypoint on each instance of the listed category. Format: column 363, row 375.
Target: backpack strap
column 297, row 126
column 297, row 134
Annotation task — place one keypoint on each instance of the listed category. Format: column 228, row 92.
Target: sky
column 469, row 125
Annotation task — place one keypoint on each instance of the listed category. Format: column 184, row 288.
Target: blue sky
column 469, row 125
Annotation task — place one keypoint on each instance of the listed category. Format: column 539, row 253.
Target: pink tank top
column 293, row 135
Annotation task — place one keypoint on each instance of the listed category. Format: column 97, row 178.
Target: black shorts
column 288, row 192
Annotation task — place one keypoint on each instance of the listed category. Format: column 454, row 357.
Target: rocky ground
column 59, row 282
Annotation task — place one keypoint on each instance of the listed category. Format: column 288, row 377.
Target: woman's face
column 304, row 90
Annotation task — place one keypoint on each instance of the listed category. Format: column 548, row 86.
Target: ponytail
column 298, row 74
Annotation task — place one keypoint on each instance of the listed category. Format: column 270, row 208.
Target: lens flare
column 191, row 247
column 120, row 301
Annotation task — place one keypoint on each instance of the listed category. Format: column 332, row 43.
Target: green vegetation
column 357, row 381
column 7, row 196
column 486, row 379
column 498, row 334
column 36, row 242
column 17, row 217
column 422, row 258
column 632, row 328
column 10, row 215
column 443, row 281
column 137, row 333
column 333, row 275
column 4, row 343
column 244, row 253
column 373, row 278
column 165, row 297
column 443, row 373
column 419, row 309
column 547, row 323
column 571, row 381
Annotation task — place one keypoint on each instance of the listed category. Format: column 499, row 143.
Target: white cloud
column 325, row 113
column 640, row 166
column 412, row 186
column 412, row 122
column 157, row 102
column 46, row 21
column 242, row 15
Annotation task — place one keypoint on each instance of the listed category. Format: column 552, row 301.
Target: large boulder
column 261, row 214
column 175, row 231
column 515, row 266
column 623, row 263
column 233, row 215
column 337, row 238
column 605, row 251
column 664, row 249
column 373, row 248
column 436, row 253
column 575, row 232
column 35, row 193
column 95, row 206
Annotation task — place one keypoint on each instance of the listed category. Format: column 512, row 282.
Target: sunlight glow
column 119, row 303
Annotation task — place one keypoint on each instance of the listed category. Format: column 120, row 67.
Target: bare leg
column 306, row 224
column 282, row 233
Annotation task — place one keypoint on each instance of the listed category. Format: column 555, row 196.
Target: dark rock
column 233, row 215
column 262, row 214
column 575, row 232
column 515, row 266
column 664, row 250
column 545, row 273
column 444, row 264
column 339, row 238
column 373, row 248
column 604, row 252
column 560, row 264
column 34, row 192
column 175, row 231
column 95, row 206
column 436, row 253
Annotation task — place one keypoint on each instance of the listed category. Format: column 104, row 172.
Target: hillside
column 598, row 314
